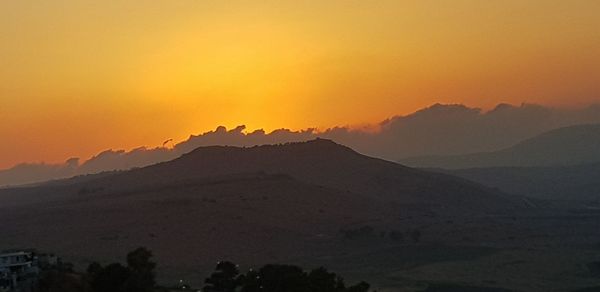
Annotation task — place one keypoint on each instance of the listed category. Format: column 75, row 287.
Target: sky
column 78, row 77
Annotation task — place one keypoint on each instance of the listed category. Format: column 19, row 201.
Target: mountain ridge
column 318, row 162
column 440, row 129
column 567, row 183
column 560, row 147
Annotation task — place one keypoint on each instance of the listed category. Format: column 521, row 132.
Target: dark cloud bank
column 436, row 130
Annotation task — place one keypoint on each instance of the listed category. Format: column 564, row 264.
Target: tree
column 360, row 287
column 94, row 269
column 320, row 280
column 142, row 278
column 138, row 276
column 111, row 278
column 278, row 278
column 54, row 280
column 224, row 279
column 250, row 282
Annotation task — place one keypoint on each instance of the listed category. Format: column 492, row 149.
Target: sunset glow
column 78, row 77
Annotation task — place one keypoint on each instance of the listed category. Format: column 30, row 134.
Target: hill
column 252, row 205
column 318, row 162
column 565, row 146
column 573, row 183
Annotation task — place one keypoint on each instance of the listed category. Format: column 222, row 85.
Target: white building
column 17, row 270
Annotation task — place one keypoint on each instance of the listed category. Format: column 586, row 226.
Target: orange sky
column 78, row 77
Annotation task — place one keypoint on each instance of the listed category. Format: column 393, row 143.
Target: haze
column 78, row 77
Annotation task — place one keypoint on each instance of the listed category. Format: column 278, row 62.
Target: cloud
column 436, row 130
column 26, row 173
column 237, row 137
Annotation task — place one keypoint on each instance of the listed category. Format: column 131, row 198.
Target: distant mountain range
column 562, row 164
column 437, row 130
column 561, row 147
column 573, row 183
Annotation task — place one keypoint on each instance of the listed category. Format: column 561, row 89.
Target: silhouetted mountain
column 565, row 146
column 577, row 183
column 298, row 189
column 436, row 130
column 318, row 162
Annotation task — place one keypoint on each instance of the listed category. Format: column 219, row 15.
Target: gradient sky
column 77, row 77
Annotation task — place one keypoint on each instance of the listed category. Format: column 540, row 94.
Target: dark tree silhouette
column 224, row 279
column 141, row 271
column 360, row 287
column 320, row 280
column 250, row 281
column 111, row 278
column 54, row 280
column 287, row 278
column 93, row 270
column 283, row 278
column 138, row 276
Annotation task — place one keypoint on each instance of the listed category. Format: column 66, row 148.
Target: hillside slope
column 564, row 146
column 575, row 183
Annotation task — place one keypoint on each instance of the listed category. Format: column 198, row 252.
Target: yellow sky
column 77, row 77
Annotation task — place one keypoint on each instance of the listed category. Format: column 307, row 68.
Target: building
column 18, row 271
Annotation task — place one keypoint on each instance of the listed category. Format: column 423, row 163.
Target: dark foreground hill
column 302, row 202
column 565, row 146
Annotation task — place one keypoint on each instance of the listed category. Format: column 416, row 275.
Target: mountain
column 318, row 162
column 261, row 204
column 565, row 146
column 441, row 129
column 573, row 183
